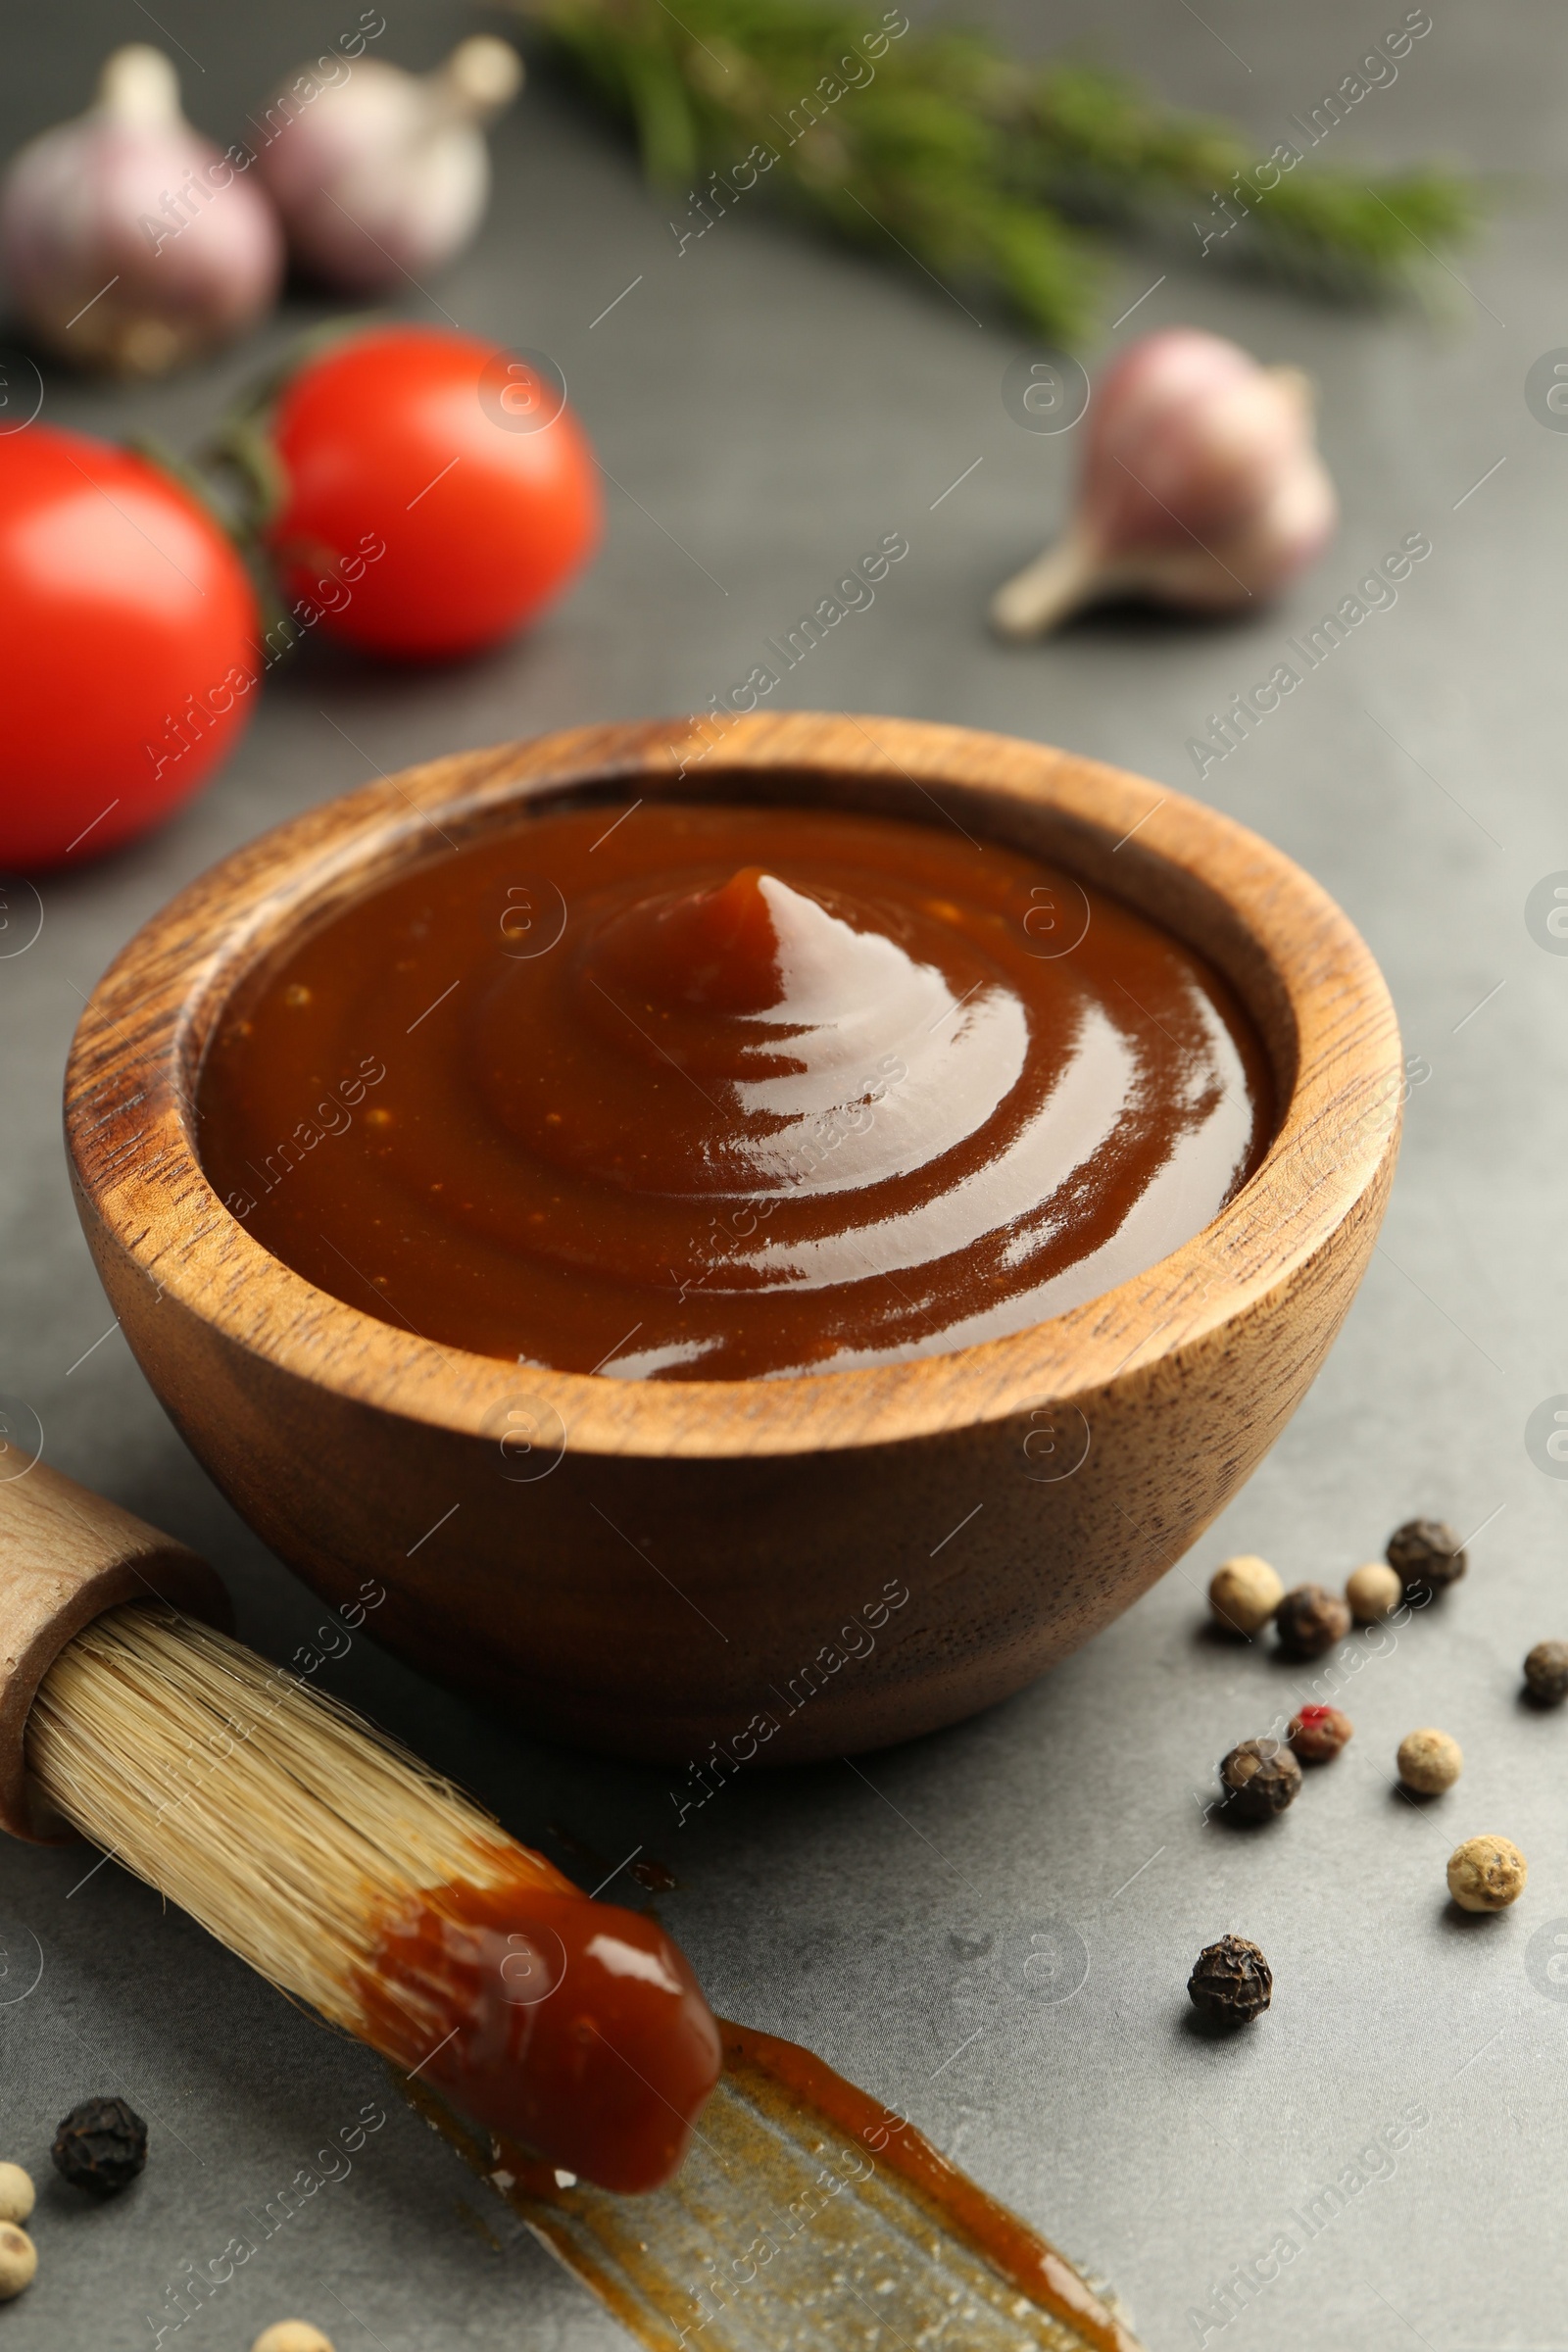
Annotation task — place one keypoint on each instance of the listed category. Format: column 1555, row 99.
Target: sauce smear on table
column 806, row 2213
column 692, row 1091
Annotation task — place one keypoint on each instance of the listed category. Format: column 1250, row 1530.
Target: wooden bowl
column 712, row 1571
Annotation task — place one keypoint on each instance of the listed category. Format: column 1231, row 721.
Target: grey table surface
column 766, row 403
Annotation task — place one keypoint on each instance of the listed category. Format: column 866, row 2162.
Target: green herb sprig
column 991, row 174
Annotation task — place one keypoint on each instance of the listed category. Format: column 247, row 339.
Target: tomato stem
column 246, row 450
column 261, row 394
column 157, row 452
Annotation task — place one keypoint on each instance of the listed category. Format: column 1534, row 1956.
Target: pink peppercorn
column 1317, row 1734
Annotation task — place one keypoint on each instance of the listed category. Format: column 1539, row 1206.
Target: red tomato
column 128, row 646
column 440, row 492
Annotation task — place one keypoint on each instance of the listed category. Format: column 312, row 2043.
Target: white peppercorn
column 291, row 2336
column 18, row 2196
column 1243, row 1593
column 1429, row 1761
column 18, row 2260
column 1374, row 1592
column 1487, row 1874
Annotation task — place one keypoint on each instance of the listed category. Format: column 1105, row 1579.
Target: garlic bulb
column 384, row 175
column 1201, row 487
column 129, row 241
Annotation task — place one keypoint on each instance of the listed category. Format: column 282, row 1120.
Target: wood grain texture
column 676, row 1569
column 66, row 1555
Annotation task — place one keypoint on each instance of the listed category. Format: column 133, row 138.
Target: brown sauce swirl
column 722, row 1092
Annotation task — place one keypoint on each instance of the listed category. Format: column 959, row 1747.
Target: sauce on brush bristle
column 572, row 2026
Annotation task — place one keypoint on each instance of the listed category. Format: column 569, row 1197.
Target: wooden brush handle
column 66, row 1555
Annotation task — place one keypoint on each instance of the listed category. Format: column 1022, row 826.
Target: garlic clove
column 1201, row 488
column 129, row 241
column 384, row 175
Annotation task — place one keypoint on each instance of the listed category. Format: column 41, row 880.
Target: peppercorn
column 291, row 2336
column 1243, row 1593
column 18, row 2260
column 1309, row 1620
column 18, row 2196
column 1487, row 1874
column 1259, row 1778
column 1317, row 1734
column 1374, row 1592
column 1547, row 1673
column 101, row 2145
column 1231, row 1983
column 1425, row 1555
column 1429, row 1762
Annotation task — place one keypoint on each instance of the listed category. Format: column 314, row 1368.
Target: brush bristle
column 291, row 1829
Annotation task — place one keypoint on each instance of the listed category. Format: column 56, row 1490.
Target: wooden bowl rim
column 129, row 1088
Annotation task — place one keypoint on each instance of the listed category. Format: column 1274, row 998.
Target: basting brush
column 570, row 2033
column 334, row 1862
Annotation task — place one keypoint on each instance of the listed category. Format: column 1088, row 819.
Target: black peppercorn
column 1259, row 1778
column 1425, row 1555
column 102, row 2145
column 1231, row 1984
column 1547, row 1673
column 1309, row 1620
